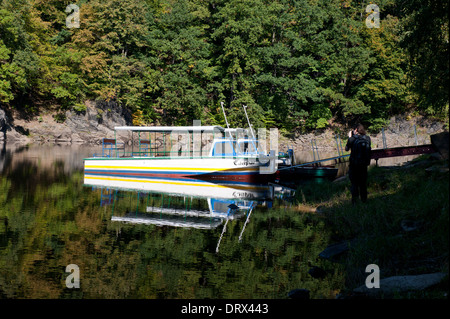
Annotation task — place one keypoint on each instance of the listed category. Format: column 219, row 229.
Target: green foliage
column 80, row 108
column 14, row 55
column 60, row 117
column 300, row 63
column 426, row 39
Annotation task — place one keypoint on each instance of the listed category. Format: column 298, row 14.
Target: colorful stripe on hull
column 210, row 170
column 244, row 177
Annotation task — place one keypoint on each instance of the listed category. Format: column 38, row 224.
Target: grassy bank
column 403, row 228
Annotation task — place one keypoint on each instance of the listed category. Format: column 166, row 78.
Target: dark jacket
column 351, row 142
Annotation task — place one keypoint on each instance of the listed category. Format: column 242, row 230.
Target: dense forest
column 296, row 64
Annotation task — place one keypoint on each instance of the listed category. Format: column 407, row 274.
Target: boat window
column 223, row 148
column 247, row 147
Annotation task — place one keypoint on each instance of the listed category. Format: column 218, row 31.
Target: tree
column 240, row 29
column 294, row 63
column 385, row 88
column 179, row 56
column 426, row 39
column 19, row 64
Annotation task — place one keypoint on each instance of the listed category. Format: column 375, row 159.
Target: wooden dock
column 315, row 169
column 403, row 151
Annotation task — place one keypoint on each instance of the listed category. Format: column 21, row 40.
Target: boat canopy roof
column 170, row 128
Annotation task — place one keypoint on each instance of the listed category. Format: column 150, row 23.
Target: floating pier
column 315, row 168
column 403, row 151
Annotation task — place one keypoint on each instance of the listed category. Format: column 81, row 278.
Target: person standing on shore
column 359, row 144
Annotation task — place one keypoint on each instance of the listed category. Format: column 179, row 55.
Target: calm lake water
column 146, row 245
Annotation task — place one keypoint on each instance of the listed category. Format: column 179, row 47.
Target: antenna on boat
column 226, row 121
column 249, row 125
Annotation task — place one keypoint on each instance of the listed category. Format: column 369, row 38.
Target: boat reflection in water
column 188, row 203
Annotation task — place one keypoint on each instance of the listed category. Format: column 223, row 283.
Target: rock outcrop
column 441, row 143
column 97, row 121
column 10, row 132
column 396, row 284
column 400, row 131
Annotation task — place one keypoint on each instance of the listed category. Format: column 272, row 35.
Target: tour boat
column 180, row 155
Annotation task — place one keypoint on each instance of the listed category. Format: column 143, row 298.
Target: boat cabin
column 186, row 141
column 227, row 147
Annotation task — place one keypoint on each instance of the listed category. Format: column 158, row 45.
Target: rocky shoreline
column 400, row 131
column 87, row 127
column 99, row 118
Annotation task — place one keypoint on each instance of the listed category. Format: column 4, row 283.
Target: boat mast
column 226, row 121
column 248, row 120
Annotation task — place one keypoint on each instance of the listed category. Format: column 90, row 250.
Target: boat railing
column 218, row 148
column 111, row 148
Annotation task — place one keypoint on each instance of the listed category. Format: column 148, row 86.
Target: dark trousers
column 358, row 178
